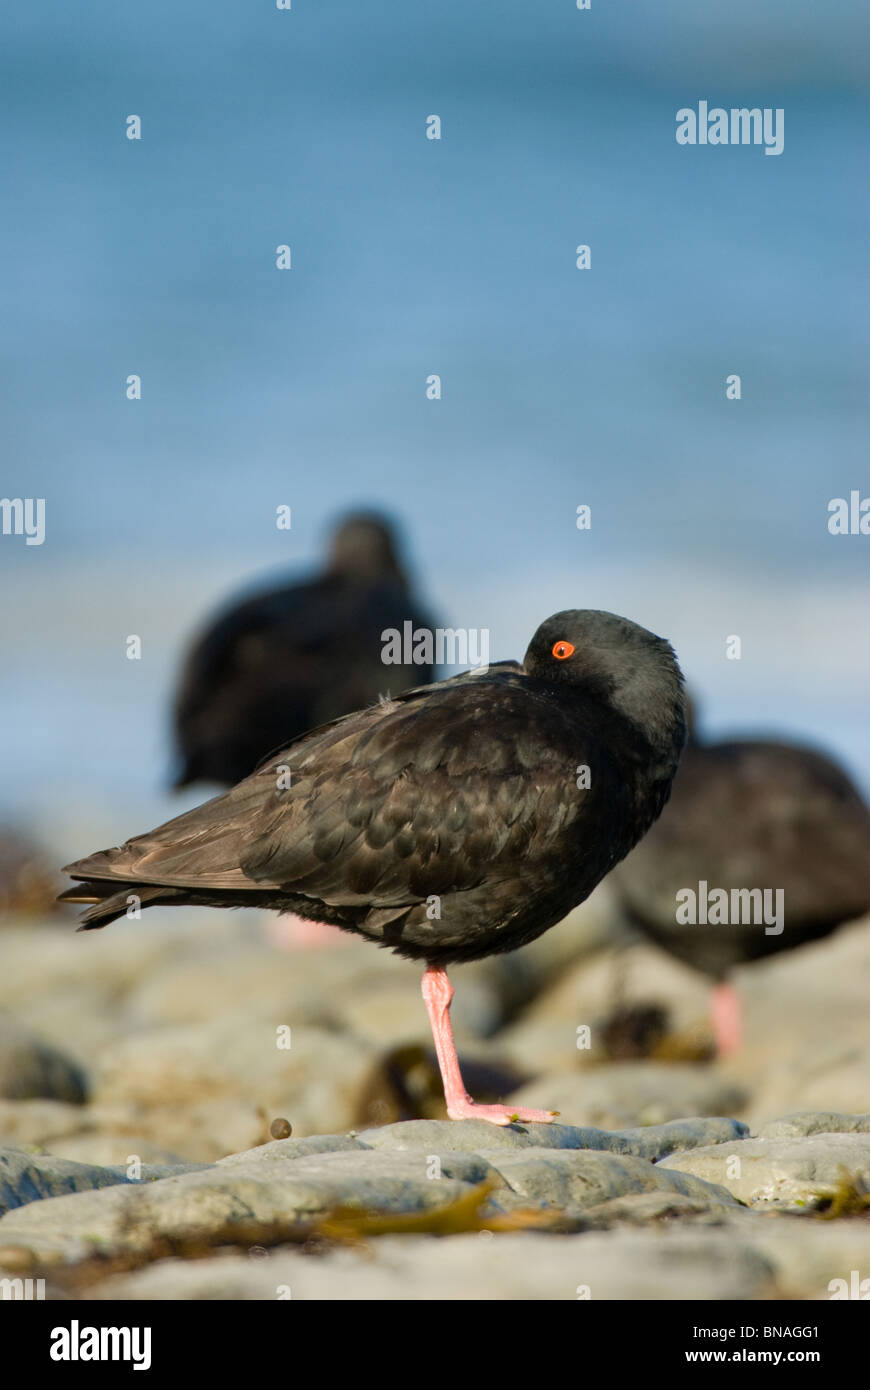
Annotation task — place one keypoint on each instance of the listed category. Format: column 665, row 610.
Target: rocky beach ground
column 145, row 1070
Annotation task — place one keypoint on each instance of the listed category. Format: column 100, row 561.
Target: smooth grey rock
column 574, row 1180
column 780, row 1172
column 807, row 1122
column 468, row 1136
column 215, row 1201
column 809, row 1256
column 27, row 1177
column 209, row 1203
column 646, row 1208
column 31, row 1068
column 653, row 1142
column 674, row 1263
column 353, row 1176
column 295, row 1148
column 657, row 1141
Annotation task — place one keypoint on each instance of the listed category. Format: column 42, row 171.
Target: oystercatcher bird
column 453, row 822
column 743, row 818
column 288, row 659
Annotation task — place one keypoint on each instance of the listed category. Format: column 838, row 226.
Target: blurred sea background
column 411, row 257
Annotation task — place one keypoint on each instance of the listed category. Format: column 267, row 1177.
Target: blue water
column 413, row 257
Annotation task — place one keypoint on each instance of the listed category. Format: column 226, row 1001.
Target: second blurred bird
column 287, row 659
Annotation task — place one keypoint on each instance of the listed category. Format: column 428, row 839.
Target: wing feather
column 415, row 796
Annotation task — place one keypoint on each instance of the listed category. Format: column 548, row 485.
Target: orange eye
column 563, row 650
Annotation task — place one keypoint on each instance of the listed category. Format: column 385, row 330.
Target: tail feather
column 79, row 893
column 111, row 902
column 93, row 870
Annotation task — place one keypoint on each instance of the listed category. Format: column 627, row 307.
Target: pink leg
column 437, row 995
column 727, row 1014
column 289, row 932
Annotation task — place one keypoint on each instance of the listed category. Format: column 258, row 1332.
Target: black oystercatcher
column 450, row 823
column 284, row 661
column 771, row 840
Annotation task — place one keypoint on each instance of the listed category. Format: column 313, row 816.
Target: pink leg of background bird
column 437, row 995
column 727, row 1015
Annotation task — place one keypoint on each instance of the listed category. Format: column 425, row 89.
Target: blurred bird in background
column 749, row 814
column 286, row 660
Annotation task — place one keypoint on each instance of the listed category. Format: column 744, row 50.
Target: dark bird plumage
column 450, row 823
column 288, row 659
column 751, row 815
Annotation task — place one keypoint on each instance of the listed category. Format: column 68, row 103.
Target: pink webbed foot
column 464, row 1108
